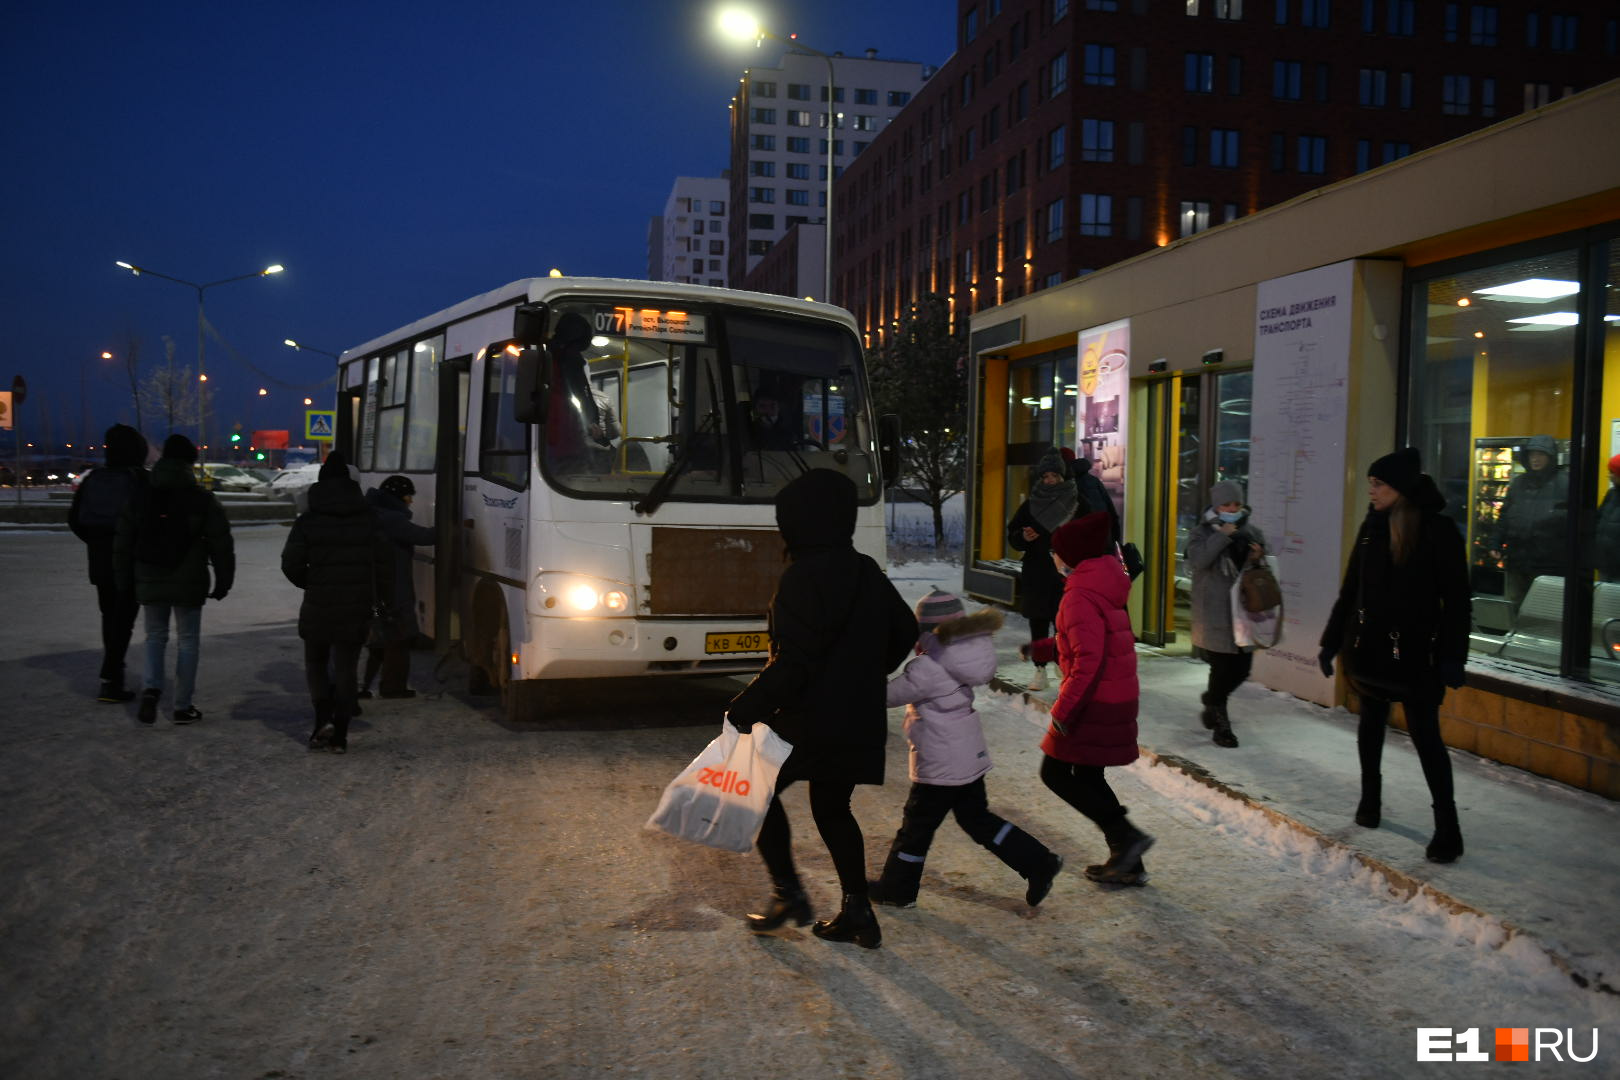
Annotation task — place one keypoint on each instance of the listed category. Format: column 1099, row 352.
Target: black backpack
column 103, row 494
column 167, row 522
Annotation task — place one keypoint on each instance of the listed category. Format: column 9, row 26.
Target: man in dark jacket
column 101, row 498
column 1535, row 513
column 392, row 502
column 837, row 628
column 337, row 555
column 167, row 538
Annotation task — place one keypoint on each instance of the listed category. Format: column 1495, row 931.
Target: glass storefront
column 1514, row 403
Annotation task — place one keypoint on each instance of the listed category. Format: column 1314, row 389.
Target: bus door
column 449, row 464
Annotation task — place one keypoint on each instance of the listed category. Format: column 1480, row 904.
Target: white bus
column 599, row 460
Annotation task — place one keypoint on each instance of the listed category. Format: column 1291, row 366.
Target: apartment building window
column 1223, row 148
column 1611, row 37
column 1536, row 94
column 764, row 89
column 762, row 116
column 1315, row 14
column 1394, row 151
column 1015, row 173
column 1230, row 10
column 1015, row 242
column 1060, row 8
column 970, row 144
column 1194, row 217
column 1199, row 77
column 964, row 207
column 970, row 24
column 1234, row 76
column 1051, row 280
column 1189, row 145
column 1285, row 80
column 966, row 266
column 967, row 89
column 761, row 195
column 992, row 125
column 762, row 168
column 1363, row 155
column 1450, row 19
column 1374, row 88
column 1056, row 146
column 865, row 123
column 1455, row 94
column 859, row 148
column 762, row 221
column 838, row 93
column 762, row 142
column 1561, row 32
column 1100, row 66
column 1057, row 75
column 697, row 227
column 716, row 282
column 987, row 192
column 1054, row 220
column 1133, row 217
column 1324, row 80
column 1096, row 215
column 1279, row 152
column 798, row 118
column 1096, row 140
column 799, row 91
column 798, row 170
column 798, row 197
column 758, row 247
column 1400, row 17
column 1532, row 30
column 1311, row 154
column 898, row 98
column 717, row 208
column 1482, row 19
column 1404, row 91
column 838, row 146
column 717, row 247
column 798, row 144
column 1102, row 5
column 865, row 97
column 1279, row 13
column 1019, row 107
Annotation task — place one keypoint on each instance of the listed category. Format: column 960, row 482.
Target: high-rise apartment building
column 689, row 241
column 779, row 148
column 1065, row 135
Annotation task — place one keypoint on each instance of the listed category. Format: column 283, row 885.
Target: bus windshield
column 712, row 403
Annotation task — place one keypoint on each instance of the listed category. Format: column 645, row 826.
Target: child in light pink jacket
column 949, row 757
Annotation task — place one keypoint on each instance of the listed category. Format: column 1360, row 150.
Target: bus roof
column 552, row 288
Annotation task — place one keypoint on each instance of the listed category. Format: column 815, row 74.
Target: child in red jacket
column 1094, row 718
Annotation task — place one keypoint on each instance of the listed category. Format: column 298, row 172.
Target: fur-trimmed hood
column 984, row 621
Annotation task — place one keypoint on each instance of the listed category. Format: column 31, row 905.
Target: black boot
column 1033, row 860
column 149, row 703
column 321, row 737
column 897, row 887
column 1447, row 845
column 1223, row 730
column 1126, row 846
column 340, row 729
column 112, row 691
column 855, row 922
column 1369, row 811
column 1209, row 713
column 788, row 901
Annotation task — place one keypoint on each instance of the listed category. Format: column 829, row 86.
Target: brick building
column 1065, row 135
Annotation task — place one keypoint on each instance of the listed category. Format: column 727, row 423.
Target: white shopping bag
column 721, row 798
column 1254, row 629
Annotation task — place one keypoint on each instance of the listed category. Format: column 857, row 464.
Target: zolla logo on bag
column 726, row 780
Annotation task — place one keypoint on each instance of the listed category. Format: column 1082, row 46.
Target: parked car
column 222, row 477
column 295, row 483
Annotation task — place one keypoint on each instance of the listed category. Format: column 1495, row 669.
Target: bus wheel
column 520, row 698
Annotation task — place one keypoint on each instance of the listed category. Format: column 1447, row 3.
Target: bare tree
column 172, row 396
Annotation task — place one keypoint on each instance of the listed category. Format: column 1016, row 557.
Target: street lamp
column 739, row 25
column 202, row 377
column 291, row 344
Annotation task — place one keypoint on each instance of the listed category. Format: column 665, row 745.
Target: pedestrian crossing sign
column 320, row 424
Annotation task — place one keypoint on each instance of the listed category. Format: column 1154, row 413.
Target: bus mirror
column 529, row 324
column 889, row 448
column 528, row 384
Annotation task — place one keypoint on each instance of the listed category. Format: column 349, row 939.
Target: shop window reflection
column 1605, row 547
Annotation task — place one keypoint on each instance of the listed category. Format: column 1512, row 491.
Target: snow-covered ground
column 455, row 898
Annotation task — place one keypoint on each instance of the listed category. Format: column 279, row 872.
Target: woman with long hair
column 1401, row 625
column 1052, row 503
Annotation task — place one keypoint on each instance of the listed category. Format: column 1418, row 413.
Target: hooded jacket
column 1215, row 560
column 947, row 740
column 337, row 555
column 186, row 583
column 1535, row 513
column 837, row 629
column 102, row 496
column 394, row 518
column 1094, row 717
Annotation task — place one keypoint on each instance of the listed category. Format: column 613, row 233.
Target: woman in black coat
column 392, row 501
column 336, row 554
column 837, row 627
column 1052, row 503
column 1401, row 623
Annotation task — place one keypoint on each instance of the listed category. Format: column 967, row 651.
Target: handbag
column 377, row 635
column 1372, row 657
column 1132, row 557
column 720, row 799
column 1259, row 588
column 1255, row 629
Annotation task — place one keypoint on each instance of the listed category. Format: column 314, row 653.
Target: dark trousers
column 1040, row 629
column 329, row 669
column 1423, row 724
column 1227, row 672
column 393, row 660
column 926, row 809
column 118, row 611
column 1084, row 788
column 829, row 806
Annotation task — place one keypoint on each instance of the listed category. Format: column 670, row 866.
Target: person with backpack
column 102, row 496
column 167, row 539
column 949, row 758
column 1223, row 543
column 337, row 555
column 391, row 502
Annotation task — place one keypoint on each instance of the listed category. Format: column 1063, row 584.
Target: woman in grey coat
column 1222, row 544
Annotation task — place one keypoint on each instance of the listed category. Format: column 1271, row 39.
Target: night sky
column 396, row 158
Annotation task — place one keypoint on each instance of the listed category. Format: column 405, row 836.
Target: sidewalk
column 1542, row 859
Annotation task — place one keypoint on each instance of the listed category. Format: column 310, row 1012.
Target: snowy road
column 458, row 899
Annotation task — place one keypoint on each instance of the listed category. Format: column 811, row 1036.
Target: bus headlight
column 575, row 594
column 583, row 598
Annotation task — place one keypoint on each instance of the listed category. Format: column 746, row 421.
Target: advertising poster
column 1297, row 459
column 1100, row 412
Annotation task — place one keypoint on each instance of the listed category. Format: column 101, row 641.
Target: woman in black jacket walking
column 336, row 554
column 392, row 501
column 837, row 628
column 1401, row 622
column 93, row 517
column 1053, row 500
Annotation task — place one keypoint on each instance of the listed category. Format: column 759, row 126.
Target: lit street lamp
column 739, row 25
column 202, row 377
column 290, row 343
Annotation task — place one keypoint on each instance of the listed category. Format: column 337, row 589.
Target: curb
column 1401, row 884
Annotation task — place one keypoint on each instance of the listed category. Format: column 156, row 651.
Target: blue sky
column 396, row 158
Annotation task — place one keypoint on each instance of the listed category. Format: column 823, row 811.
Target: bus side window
column 503, row 440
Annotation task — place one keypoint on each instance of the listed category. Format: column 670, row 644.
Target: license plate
column 751, row 641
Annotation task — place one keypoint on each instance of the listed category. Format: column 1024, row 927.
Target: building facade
column 779, row 149
column 1465, row 301
column 1066, row 135
column 692, row 233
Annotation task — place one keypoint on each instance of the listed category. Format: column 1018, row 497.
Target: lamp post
column 202, row 375
column 300, row 346
column 740, row 25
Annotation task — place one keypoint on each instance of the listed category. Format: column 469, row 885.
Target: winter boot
column 1033, row 861
column 321, row 737
column 855, row 922
column 1223, row 730
column 112, row 691
column 339, row 743
column 1037, row 681
column 1210, row 713
column 788, row 901
column 1447, row 845
column 1369, row 809
column 897, row 887
column 148, row 711
column 1126, row 846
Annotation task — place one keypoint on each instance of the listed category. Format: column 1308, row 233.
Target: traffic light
column 259, row 456
column 236, row 436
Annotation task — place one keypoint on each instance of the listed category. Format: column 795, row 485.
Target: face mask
column 1229, row 515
